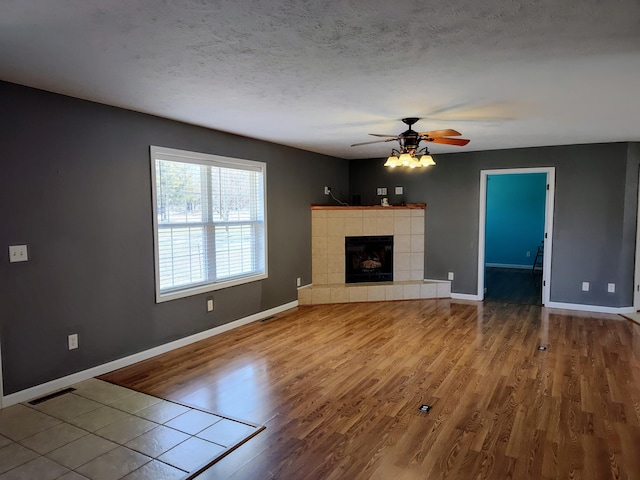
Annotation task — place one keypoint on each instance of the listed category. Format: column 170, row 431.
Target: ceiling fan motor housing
column 409, row 140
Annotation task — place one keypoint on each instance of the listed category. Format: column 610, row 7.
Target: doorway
column 1, row 384
column 515, row 232
column 636, row 289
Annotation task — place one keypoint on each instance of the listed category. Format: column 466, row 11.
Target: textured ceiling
column 322, row 75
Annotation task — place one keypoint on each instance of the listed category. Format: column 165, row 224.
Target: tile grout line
column 78, row 393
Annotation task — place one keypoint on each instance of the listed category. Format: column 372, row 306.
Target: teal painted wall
column 515, row 218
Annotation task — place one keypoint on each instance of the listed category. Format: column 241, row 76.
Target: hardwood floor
column 339, row 386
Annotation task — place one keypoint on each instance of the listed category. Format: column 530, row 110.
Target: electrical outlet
column 209, row 304
column 382, row 190
column 18, row 253
column 585, row 286
column 450, row 276
column 611, row 288
column 528, row 254
column 73, row 341
column 399, row 190
column 327, row 190
column 298, row 282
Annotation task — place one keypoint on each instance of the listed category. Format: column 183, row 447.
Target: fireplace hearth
column 369, row 259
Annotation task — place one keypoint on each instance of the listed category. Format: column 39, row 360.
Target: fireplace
column 369, row 259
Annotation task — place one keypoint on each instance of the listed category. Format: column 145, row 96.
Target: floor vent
column 541, row 347
column 51, row 395
column 425, row 408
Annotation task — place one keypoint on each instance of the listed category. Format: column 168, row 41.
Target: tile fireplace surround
column 330, row 226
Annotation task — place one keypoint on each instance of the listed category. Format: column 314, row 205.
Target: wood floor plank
column 339, row 386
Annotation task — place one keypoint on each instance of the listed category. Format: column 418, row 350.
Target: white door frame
column 1, row 386
column 636, row 280
column 548, row 224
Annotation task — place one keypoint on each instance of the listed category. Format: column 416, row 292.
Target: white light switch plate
column 585, row 286
column 18, row 253
column 611, row 288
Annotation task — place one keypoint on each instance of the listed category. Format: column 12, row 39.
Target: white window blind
column 209, row 222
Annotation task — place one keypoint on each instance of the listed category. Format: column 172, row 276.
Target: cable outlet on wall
column 327, row 190
column 450, row 276
column 73, row 341
column 209, row 304
column 585, row 286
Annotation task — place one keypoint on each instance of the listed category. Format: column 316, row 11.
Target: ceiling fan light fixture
column 409, row 140
column 427, row 160
column 405, row 159
column 392, row 162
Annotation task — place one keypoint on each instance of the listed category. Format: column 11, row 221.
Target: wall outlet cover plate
column 18, row 253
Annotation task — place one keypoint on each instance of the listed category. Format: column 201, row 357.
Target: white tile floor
column 103, row 431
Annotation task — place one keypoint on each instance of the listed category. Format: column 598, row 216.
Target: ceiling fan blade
column 441, row 133
column 375, row 141
column 380, row 135
column 461, row 142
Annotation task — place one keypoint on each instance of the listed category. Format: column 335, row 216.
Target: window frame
column 184, row 156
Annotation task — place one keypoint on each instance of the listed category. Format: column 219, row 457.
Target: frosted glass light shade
column 405, row 159
column 392, row 162
column 427, row 161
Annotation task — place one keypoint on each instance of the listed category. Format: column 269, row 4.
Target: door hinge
column 545, row 234
column 547, row 186
column 544, row 283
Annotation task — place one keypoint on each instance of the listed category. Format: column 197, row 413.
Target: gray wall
column 595, row 214
column 75, row 187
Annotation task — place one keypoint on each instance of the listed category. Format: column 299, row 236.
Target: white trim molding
column 465, row 296
column 560, row 305
column 510, row 265
column 590, row 308
column 548, row 224
column 64, row 382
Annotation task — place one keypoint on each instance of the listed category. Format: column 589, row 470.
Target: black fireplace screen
column 369, row 259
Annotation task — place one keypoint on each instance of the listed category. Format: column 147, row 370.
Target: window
column 209, row 222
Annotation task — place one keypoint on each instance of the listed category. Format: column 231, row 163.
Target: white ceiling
column 321, row 75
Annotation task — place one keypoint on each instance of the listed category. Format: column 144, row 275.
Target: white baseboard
column 509, row 265
column 563, row 306
column 465, row 296
column 590, row 308
column 64, row 382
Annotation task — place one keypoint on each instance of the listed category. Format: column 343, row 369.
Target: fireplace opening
column 369, row 259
